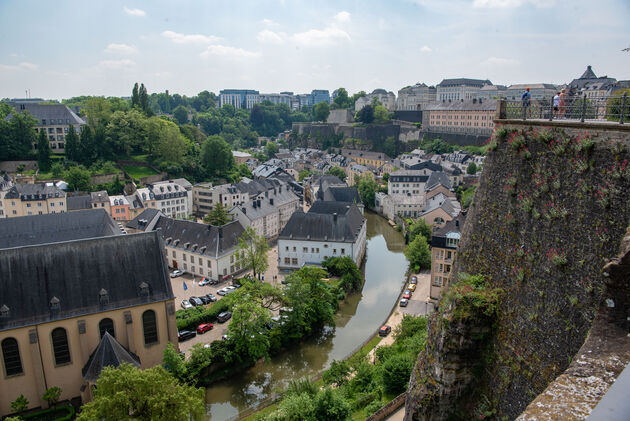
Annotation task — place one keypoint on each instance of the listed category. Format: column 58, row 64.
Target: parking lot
column 419, row 304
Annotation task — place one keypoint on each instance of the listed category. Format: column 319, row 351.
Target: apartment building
column 460, row 89
column 206, row 196
column 171, row 198
column 374, row 159
column 267, row 212
column 119, row 208
column 95, row 289
column 444, row 243
column 538, row 91
column 33, row 199
column 53, row 119
column 469, row 117
column 239, row 98
column 388, row 99
column 416, row 97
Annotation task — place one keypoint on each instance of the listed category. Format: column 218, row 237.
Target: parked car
column 184, row 335
column 226, row 278
column 204, row 327
column 384, row 330
column 414, row 280
column 205, row 281
column 204, row 299
column 226, row 335
column 407, row 294
column 224, row 317
column 222, row 291
column 195, row 301
column 404, row 302
column 211, row 297
column 177, row 273
column 229, row 290
column 237, row 286
column 186, row 304
column 411, row 287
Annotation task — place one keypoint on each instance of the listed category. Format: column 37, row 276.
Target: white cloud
column 134, row 12
column 321, row 37
column 25, row 65
column 269, row 22
column 426, row 49
column 504, row 4
column 270, row 37
column 342, row 17
column 178, row 38
column 117, row 64
column 228, row 52
column 500, row 61
column 120, row 49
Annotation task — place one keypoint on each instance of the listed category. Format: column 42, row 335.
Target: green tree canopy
column 248, row 329
column 217, row 156
column 367, row 187
column 396, row 372
column 321, row 111
column 218, row 216
column 472, row 169
column 381, row 115
column 420, row 227
column 271, row 149
column 252, row 251
column 303, row 174
column 365, row 115
column 78, row 178
column 337, row 172
column 418, row 254
column 43, row 151
column 342, row 100
column 72, row 144
column 181, row 114
column 153, row 394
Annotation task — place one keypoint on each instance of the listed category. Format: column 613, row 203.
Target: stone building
column 33, row 199
column 538, row 91
column 70, row 295
column 460, row 89
column 467, row 117
column 171, row 197
column 444, row 244
column 416, row 97
column 388, row 99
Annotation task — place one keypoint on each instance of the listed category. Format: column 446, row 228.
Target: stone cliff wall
column 549, row 214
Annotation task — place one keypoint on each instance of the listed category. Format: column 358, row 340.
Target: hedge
column 47, row 414
column 191, row 318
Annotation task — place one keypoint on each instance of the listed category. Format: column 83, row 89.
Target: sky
column 64, row 48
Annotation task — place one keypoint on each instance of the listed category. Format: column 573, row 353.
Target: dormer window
column 143, row 289
column 55, row 303
column 186, row 246
column 4, row 311
column 103, row 296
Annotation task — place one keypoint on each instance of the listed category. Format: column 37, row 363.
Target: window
column 106, row 325
column 184, row 258
column 294, row 261
column 149, row 326
column 200, row 261
column 304, row 249
column 343, row 251
column 61, row 349
column 174, row 254
column 11, row 356
column 287, row 248
column 287, row 261
column 334, row 251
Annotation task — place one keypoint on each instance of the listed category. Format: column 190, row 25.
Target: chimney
column 335, row 217
column 271, row 201
column 244, row 210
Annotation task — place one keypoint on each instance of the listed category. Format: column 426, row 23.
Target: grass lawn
column 44, row 175
column 140, row 158
column 139, row 172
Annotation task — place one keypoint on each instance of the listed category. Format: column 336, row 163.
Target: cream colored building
column 33, row 199
column 470, row 117
column 416, row 97
column 444, row 243
column 388, row 99
column 76, row 291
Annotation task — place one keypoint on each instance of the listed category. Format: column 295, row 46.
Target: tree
column 472, row 169
column 248, row 329
column 217, row 156
column 337, row 374
column 330, row 405
column 303, row 174
column 72, row 144
column 52, row 395
column 337, row 172
column 396, row 371
column 341, row 100
column 78, row 178
column 87, row 150
column 171, row 144
column 127, row 132
column 252, row 252
column 181, row 114
column 17, row 136
column 418, row 254
column 420, row 227
column 321, row 111
column 135, row 96
column 218, row 216
column 381, row 115
column 271, row 149
column 365, row 115
column 43, row 151
column 144, row 99
column 20, row 404
column 174, row 363
column 127, row 392
column 367, row 187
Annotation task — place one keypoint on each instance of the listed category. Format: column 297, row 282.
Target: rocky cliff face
column 550, row 212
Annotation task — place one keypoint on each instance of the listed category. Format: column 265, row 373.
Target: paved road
column 419, row 303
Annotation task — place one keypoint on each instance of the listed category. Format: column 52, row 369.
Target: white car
column 177, row 273
column 222, row 291
column 204, row 281
column 186, row 304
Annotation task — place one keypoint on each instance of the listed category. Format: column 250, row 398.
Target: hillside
column 550, row 212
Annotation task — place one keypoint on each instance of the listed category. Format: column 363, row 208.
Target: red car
column 204, row 327
column 407, row 294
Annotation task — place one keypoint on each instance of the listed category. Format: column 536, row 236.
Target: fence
column 388, row 409
column 574, row 107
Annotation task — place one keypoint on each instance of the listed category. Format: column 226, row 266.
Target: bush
column 395, row 373
column 191, row 318
column 20, row 404
column 331, row 406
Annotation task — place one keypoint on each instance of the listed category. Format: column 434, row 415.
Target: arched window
column 149, row 325
column 60, row 346
column 106, row 325
column 11, row 356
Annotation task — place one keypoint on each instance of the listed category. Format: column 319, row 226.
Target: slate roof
column 38, row 191
column 75, row 203
column 450, row 205
column 108, row 353
column 356, row 153
column 83, row 276
column 438, row 238
column 319, row 223
column 263, row 205
column 437, row 178
column 148, row 215
column 56, row 227
column 49, row 112
column 465, row 82
column 342, row 194
column 485, row 105
column 588, row 73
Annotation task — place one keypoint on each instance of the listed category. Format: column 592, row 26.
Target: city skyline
column 276, row 45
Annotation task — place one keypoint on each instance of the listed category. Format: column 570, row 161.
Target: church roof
column 588, row 73
column 108, row 353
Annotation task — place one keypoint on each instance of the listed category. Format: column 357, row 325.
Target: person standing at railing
column 526, row 101
column 562, row 107
column 556, row 104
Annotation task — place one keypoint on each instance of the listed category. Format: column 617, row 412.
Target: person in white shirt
column 556, row 104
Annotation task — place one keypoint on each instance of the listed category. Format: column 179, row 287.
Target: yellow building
column 58, row 300
column 375, row 159
column 33, row 199
column 444, row 244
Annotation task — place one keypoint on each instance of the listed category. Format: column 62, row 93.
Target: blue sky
column 64, row 48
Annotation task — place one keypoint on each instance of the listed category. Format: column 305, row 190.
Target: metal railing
column 614, row 108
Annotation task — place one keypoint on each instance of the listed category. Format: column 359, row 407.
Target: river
column 358, row 317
